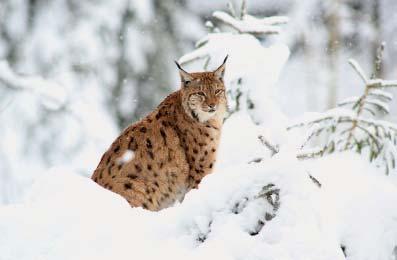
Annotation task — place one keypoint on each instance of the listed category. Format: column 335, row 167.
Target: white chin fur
column 205, row 116
column 219, row 114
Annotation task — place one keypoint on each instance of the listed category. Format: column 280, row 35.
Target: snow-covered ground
column 67, row 216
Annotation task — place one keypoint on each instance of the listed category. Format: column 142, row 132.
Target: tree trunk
column 334, row 41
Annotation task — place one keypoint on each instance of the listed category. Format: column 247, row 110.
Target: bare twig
column 309, row 137
column 378, row 60
column 273, row 148
column 243, row 9
column 317, row 182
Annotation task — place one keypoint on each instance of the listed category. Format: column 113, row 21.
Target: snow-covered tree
column 250, row 78
column 355, row 124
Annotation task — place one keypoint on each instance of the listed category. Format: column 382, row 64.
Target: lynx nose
column 212, row 107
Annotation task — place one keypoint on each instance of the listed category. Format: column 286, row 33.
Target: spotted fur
column 174, row 147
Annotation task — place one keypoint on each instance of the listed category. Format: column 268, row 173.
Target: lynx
column 154, row 162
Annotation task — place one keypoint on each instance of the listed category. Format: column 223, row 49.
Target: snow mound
column 244, row 210
column 67, row 216
column 358, row 204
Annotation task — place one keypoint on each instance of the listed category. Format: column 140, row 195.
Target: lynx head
column 203, row 93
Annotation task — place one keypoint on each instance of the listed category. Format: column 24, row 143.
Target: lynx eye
column 218, row 92
column 201, row 94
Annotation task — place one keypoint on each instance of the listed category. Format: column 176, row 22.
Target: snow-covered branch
column 381, row 94
column 349, row 101
column 371, row 83
column 53, row 95
column 350, row 129
column 358, row 69
column 346, row 118
column 310, row 122
column 312, row 153
column 252, row 25
column 380, row 83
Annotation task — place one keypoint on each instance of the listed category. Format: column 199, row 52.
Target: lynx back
column 155, row 161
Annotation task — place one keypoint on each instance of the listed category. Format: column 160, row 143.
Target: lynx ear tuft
column 220, row 72
column 186, row 78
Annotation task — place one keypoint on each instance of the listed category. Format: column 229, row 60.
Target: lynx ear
column 186, row 78
column 220, row 72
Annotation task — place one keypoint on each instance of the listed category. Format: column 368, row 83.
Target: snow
column 383, row 83
column 371, row 82
column 127, row 156
column 379, row 104
column 252, row 147
column 249, row 24
column 67, row 216
column 255, row 69
column 358, row 202
column 257, row 204
column 358, row 69
column 101, row 225
column 349, row 101
column 381, row 94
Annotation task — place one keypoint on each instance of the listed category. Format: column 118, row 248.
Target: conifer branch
column 350, row 129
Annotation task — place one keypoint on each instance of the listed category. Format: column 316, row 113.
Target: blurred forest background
column 113, row 63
